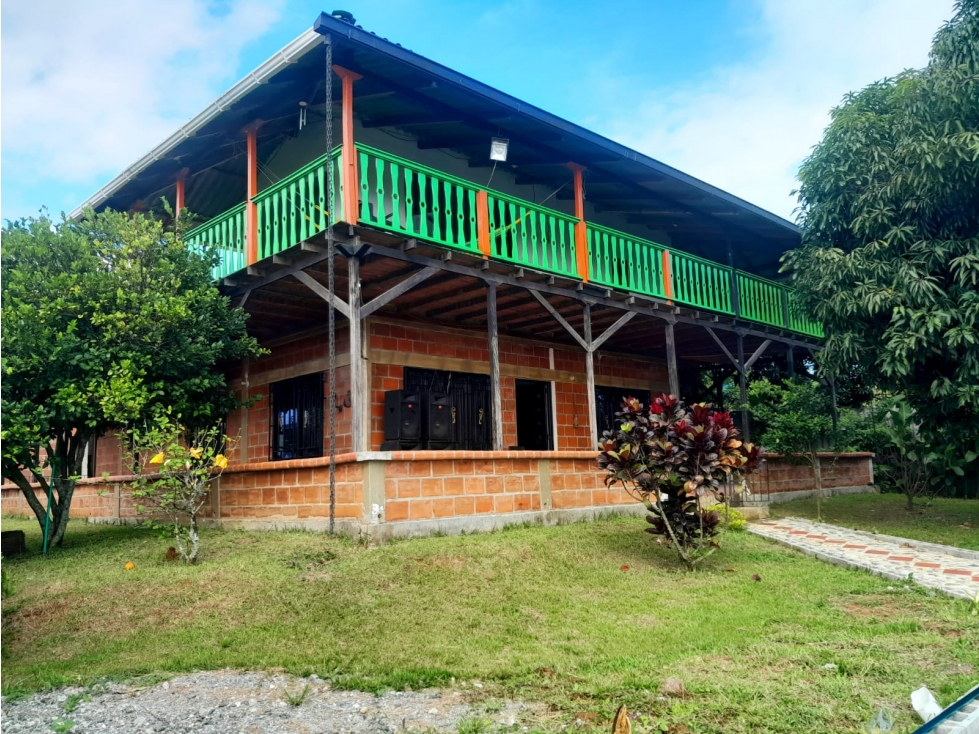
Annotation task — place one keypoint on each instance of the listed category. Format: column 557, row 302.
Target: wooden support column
column 180, row 197
column 735, row 295
column 671, row 360
column 496, row 409
column 590, row 380
column 251, row 210
column 351, row 183
column 580, row 228
column 359, row 391
column 743, row 385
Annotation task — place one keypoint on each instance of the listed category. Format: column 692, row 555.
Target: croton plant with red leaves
column 676, row 460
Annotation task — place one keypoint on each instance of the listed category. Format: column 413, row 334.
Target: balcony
column 408, row 199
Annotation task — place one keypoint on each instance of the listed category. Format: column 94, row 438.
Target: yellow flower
column 130, row 566
column 221, row 461
column 196, row 453
column 158, row 459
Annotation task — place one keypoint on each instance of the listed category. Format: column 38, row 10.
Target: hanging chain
column 330, row 199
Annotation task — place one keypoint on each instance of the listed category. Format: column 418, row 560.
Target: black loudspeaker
column 402, row 420
column 440, row 421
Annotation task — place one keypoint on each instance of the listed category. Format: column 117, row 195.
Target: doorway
column 535, row 430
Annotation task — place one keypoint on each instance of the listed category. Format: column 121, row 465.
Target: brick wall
column 299, row 493
column 780, row 475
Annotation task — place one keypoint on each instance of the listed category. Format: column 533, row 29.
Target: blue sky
column 733, row 91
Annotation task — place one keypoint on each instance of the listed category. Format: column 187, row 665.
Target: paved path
column 952, row 570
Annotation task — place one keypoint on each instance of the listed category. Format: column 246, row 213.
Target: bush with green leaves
column 889, row 262
column 176, row 467
column 106, row 320
column 730, row 518
column 675, row 461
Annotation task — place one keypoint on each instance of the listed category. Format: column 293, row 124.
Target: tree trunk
column 818, row 477
column 195, row 540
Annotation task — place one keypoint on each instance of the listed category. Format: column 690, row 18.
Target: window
column 88, row 458
column 297, row 417
column 608, row 401
column 470, row 400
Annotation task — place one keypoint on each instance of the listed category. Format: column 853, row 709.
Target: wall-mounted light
column 498, row 149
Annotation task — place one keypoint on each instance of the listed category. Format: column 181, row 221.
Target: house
column 501, row 279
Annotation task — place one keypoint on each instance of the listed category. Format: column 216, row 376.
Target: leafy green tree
column 106, row 321
column 889, row 261
column 794, row 419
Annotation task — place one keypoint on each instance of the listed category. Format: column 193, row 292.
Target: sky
column 734, row 92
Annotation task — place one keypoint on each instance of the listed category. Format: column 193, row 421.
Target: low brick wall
column 403, row 493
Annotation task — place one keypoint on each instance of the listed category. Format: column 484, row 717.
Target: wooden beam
column 359, row 391
column 494, row 353
column 560, row 319
column 322, row 291
column 623, row 320
column 757, row 354
column 590, row 379
column 400, row 289
column 671, row 360
column 743, row 387
column 737, row 365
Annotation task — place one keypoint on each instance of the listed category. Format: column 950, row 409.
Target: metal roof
column 445, row 109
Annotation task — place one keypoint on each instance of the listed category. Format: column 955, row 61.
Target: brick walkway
column 952, row 570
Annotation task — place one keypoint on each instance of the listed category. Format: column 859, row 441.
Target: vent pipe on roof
column 344, row 16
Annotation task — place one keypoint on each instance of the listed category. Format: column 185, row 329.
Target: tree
column 106, row 321
column 673, row 459
column 889, row 262
column 794, row 419
column 176, row 469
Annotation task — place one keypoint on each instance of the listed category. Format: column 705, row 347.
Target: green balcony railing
column 295, row 209
column 531, row 235
column 624, row 261
column 702, row 283
column 407, row 198
column 410, row 199
column 226, row 232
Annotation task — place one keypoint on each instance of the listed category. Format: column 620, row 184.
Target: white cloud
column 746, row 128
column 88, row 88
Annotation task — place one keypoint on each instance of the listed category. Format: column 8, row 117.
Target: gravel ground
column 226, row 702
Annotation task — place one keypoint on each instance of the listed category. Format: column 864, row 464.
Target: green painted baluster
column 303, row 206
column 435, row 208
column 448, row 214
column 423, row 204
column 460, row 218
column 473, row 229
column 321, row 196
column 410, row 203
column 536, row 242
column 380, row 215
column 397, row 176
column 363, row 170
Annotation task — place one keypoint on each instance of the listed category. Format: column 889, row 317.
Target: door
column 534, row 425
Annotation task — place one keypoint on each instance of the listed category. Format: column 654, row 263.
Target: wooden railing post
column 351, row 184
column 667, row 277
column 251, row 209
column 180, row 196
column 580, row 228
column 482, row 224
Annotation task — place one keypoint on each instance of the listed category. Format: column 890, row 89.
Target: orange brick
column 420, row 468
column 409, row 487
column 504, row 503
column 394, row 511
column 443, row 507
column 484, row 503
column 431, row 487
column 420, row 509
column 442, row 468
column 494, row 485
column 452, row 486
column 464, row 506
column 474, row 485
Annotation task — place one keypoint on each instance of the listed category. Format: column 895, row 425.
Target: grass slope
column 547, row 614
column 947, row 521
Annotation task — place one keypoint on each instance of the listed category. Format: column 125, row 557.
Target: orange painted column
column 667, row 276
column 580, row 228
column 351, row 184
column 482, row 223
column 181, row 194
column 251, row 210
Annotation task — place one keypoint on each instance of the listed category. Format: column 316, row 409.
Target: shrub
column 730, row 518
column 175, row 468
column 674, row 461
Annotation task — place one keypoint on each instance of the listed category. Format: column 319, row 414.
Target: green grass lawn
column 951, row 522
column 583, row 617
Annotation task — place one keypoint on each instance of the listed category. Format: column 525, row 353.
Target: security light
column 498, row 149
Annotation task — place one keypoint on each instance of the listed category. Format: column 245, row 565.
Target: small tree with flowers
column 677, row 461
column 175, row 467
